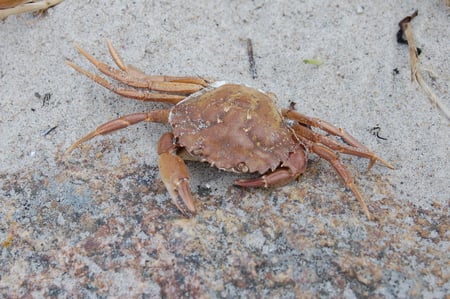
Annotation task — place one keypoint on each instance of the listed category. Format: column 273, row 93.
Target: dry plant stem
column 251, row 59
column 11, row 3
column 415, row 70
column 28, row 7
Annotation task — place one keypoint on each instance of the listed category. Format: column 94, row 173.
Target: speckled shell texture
column 233, row 127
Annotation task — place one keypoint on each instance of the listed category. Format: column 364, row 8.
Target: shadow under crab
column 233, row 127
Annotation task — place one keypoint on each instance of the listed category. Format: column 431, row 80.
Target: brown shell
column 233, row 127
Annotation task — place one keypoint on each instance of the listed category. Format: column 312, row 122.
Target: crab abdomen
column 233, row 127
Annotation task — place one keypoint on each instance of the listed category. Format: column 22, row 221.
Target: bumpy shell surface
column 233, row 127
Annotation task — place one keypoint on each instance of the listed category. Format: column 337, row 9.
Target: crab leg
column 133, row 77
column 160, row 116
column 140, row 74
column 356, row 148
column 340, row 168
column 279, row 177
column 175, row 175
column 339, row 147
column 129, row 93
column 295, row 166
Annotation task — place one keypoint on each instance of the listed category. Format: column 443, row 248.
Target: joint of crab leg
column 90, row 75
column 279, row 177
column 352, row 146
column 160, row 116
column 129, row 93
column 118, row 60
column 136, row 78
column 343, row 172
column 294, row 166
column 380, row 160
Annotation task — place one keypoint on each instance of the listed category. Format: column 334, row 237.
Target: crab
column 233, row 127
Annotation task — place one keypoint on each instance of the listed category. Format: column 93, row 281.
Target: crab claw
column 175, row 176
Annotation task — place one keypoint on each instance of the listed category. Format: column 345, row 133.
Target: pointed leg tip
column 78, row 47
column 369, row 216
column 70, row 149
column 67, row 152
column 79, row 69
column 381, row 161
column 388, row 165
column 86, row 54
column 361, row 200
column 109, row 43
column 71, row 64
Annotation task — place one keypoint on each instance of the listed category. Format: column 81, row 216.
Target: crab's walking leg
column 340, row 168
column 136, row 73
column 160, row 116
column 356, row 148
column 175, row 175
column 295, row 166
column 129, row 93
column 133, row 77
column 278, row 177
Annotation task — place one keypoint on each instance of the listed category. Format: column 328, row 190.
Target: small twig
column 376, row 131
column 251, row 58
column 292, row 105
column 49, row 130
column 46, row 98
column 407, row 32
